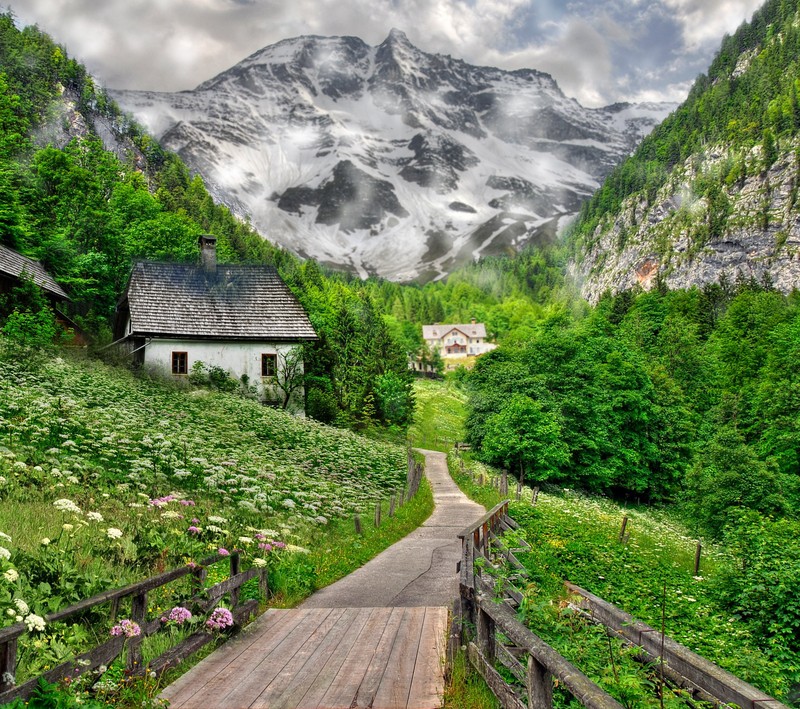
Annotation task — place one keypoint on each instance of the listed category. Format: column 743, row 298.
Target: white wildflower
column 113, row 533
column 3, row 535
column 34, row 622
column 45, row 541
column 259, row 563
column 94, row 516
column 5, row 553
column 217, row 519
column 11, row 575
column 22, row 607
column 246, row 540
column 67, row 506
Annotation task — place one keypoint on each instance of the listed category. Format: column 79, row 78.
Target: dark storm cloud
column 598, row 52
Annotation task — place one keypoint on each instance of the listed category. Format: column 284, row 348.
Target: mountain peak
column 397, row 36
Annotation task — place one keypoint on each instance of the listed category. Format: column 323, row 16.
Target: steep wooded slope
column 713, row 190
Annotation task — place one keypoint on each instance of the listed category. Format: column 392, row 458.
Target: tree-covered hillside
column 714, row 186
column 86, row 191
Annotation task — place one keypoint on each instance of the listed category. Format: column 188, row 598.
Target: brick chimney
column 208, row 253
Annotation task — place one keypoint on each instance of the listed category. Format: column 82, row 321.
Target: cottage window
column 269, row 365
column 180, row 363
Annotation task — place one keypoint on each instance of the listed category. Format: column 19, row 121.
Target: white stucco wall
column 236, row 358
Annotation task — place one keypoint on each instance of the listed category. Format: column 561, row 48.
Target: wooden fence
column 501, row 637
column 487, row 603
column 106, row 652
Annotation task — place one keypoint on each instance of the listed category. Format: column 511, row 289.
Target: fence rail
column 500, row 637
column 108, row 651
column 700, row 673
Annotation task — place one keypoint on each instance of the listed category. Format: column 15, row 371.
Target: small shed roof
column 233, row 302
column 14, row 264
column 436, row 332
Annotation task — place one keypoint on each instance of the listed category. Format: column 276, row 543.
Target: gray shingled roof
column 236, row 302
column 430, row 332
column 14, row 264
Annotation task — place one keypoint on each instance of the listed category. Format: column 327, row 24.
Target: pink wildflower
column 265, row 546
column 220, row 619
column 194, row 530
column 126, row 627
column 222, row 551
column 177, row 615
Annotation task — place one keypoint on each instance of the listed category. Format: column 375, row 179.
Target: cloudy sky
column 598, row 51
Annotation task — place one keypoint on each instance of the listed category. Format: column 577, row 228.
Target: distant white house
column 457, row 340
column 241, row 318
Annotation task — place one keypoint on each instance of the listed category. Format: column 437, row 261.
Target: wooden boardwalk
column 324, row 658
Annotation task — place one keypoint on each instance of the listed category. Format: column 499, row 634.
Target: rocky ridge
column 670, row 240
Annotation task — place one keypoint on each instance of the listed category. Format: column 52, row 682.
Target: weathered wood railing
column 495, row 622
column 689, row 670
column 106, row 652
column 478, row 608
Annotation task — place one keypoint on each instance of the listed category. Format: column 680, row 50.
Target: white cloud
column 707, row 21
column 598, row 52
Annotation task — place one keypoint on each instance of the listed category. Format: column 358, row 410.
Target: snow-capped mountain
column 387, row 160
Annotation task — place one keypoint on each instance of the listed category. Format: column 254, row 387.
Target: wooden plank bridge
column 324, row 658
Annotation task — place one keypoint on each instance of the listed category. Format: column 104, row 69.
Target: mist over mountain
column 389, row 161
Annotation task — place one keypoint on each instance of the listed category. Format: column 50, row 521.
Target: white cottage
column 241, row 318
column 457, row 340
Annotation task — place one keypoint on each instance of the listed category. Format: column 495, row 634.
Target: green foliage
column 651, row 394
column 760, row 588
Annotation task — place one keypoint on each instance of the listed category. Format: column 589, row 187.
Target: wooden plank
column 427, row 685
column 376, row 666
column 213, row 673
column 348, row 625
column 505, row 695
column 396, row 682
column 330, row 669
column 256, row 673
column 293, row 672
column 351, row 674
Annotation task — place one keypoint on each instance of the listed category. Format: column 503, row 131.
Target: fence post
column 234, row 570
column 624, row 527
column 534, row 496
column 8, row 663
column 378, row 513
column 697, row 554
column 540, row 685
column 357, row 522
column 263, row 583
column 391, row 506
column 519, row 491
column 486, row 641
column 138, row 614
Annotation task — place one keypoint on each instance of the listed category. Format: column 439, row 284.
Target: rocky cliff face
column 387, row 160
column 750, row 229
